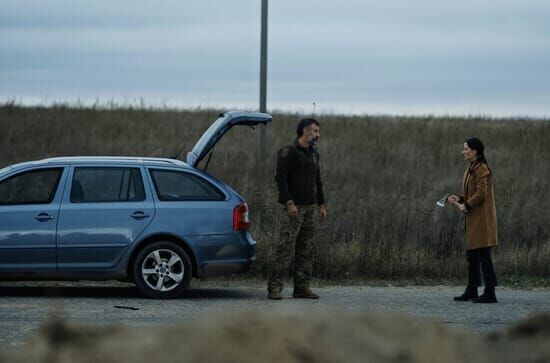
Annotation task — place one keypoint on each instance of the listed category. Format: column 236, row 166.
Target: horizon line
column 169, row 105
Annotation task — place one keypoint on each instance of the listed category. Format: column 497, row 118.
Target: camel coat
column 479, row 199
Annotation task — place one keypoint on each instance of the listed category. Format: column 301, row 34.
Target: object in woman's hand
column 441, row 203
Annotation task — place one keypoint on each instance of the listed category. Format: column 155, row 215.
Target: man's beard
column 313, row 141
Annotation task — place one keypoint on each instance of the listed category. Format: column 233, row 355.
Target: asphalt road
column 25, row 305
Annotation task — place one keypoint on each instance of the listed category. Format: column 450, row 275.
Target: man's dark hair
column 305, row 122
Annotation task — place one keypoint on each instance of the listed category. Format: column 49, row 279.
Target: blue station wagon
column 154, row 221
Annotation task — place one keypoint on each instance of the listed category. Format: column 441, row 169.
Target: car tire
column 162, row 270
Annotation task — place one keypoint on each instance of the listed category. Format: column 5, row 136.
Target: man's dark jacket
column 298, row 176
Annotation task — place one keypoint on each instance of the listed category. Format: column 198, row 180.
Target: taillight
column 240, row 217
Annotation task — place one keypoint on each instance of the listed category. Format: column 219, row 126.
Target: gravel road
column 25, row 305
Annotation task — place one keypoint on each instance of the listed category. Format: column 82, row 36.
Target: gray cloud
column 351, row 56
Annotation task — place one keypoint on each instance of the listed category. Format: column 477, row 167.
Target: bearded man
column 300, row 193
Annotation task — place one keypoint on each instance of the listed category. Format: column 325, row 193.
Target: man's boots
column 469, row 293
column 274, row 295
column 488, row 296
column 304, row 294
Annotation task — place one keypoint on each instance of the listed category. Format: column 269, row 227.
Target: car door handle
column 139, row 215
column 44, row 217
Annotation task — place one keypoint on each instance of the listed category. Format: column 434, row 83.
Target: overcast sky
column 463, row 57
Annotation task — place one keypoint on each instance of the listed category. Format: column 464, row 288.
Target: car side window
column 101, row 184
column 30, row 187
column 172, row 185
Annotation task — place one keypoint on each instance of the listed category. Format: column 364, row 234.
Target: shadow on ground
column 130, row 292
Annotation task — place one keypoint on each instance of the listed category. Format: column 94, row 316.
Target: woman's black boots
column 469, row 293
column 488, row 296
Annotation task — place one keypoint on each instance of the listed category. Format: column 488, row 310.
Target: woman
column 477, row 202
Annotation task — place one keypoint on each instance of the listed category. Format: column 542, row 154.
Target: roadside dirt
column 262, row 337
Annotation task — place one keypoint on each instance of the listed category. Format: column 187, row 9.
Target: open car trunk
column 216, row 131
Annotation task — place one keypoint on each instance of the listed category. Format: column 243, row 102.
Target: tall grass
column 382, row 177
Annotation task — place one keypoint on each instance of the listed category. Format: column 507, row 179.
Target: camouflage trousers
column 298, row 234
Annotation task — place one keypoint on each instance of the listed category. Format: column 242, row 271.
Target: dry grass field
column 382, row 176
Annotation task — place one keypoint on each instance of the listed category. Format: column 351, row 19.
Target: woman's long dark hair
column 475, row 144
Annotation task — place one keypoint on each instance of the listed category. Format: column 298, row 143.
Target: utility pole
column 263, row 78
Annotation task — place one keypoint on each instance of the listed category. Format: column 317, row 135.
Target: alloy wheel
column 162, row 270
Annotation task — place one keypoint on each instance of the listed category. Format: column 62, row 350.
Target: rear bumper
column 225, row 267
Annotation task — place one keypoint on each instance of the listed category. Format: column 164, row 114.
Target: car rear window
column 30, row 187
column 103, row 184
column 173, row 185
